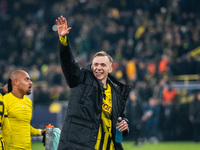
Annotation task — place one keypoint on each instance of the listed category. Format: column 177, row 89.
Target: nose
column 99, row 67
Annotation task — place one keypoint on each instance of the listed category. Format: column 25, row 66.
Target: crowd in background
column 149, row 40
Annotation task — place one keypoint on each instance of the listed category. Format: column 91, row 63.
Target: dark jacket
column 83, row 116
column 194, row 111
column 134, row 112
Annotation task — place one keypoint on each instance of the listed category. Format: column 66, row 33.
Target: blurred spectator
column 163, row 64
column 134, row 114
column 131, row 71
column 169, row 95
column 141, row 70
column 57, row 93
column 144, row 91
column 34, row 73
column 194, row 117
column 169, row 110
column 158, row 89
column 41, row 95
column 151, row 117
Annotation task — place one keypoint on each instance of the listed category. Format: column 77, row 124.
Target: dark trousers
column 196, row 132
column 138, row 133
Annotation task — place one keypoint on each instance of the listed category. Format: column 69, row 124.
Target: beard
column 28, row 92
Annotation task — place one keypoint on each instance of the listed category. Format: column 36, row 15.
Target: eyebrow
column 99, row 63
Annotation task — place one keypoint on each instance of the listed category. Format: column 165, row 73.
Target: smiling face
column 101, row 67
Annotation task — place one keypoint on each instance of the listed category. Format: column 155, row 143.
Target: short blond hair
column 103, row 53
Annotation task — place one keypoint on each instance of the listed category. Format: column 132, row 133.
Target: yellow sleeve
column 6, row 129
column 63, row 40
column 35, row 132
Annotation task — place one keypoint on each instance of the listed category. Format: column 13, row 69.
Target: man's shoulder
column 1, row 97
column 27, row 98
column 9, row 99
column 88, row 76
column 8, row 95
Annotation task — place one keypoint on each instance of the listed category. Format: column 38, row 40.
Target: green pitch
column 146, row 146
column 163, row 146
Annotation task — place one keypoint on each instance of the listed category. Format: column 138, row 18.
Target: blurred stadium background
column 155, row 45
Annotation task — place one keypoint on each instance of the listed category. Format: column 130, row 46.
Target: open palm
column 62, row 26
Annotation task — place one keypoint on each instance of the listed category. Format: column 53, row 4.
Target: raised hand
column 62, row 26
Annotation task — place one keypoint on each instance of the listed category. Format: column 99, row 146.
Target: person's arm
column 36, row 132
column 69, row 65
column 6, row 129
column 123, row 124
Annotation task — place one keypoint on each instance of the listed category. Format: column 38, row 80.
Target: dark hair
column 9, row 85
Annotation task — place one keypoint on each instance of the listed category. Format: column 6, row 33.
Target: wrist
column 63, row 40
column 40, row 132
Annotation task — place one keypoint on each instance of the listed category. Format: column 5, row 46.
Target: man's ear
column 92, row 67
column 111, row 69
column 15, row 82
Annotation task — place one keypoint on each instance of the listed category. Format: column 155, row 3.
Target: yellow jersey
column 4, row 125
column 20, row 115
column 104, row 139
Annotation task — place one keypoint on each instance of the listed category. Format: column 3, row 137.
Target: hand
column 63, row 29
column 43, row 131
column 123, row 125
